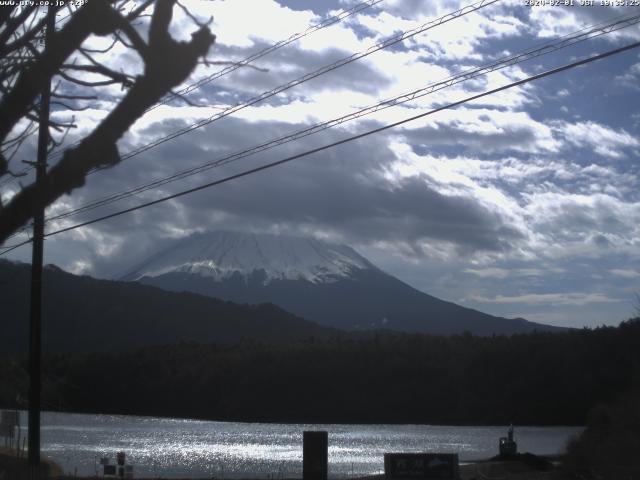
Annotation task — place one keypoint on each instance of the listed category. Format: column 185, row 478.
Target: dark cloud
column 567, row 219
column 506, row 137
column 341, row 191
column 287, row 64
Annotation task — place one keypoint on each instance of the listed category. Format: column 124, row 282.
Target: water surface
column 179, row 448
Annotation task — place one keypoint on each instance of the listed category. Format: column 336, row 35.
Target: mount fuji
column 326, row 283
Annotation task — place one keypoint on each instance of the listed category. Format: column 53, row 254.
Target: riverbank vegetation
column 608, row 448
column 535, row 379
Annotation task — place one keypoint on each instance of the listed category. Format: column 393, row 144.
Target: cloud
column 582, row 225
column 625, row 273
column 258, row 22
column 558, row 20
column 482, row 129
column 502, row 273
column 559, row 299
column 504, row 204
column 344, row 193
column 286, row 65
column 630, row 79
column 603, row 140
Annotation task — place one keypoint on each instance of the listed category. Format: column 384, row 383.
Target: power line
column 309, row 76
column 568, row 40
column 305, row 78
column 347, row 60
column 581, row 35
column 325, row 23
column 340, row 142
column 242, row 63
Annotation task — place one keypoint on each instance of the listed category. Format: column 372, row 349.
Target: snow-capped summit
column 326, row 283
column 221, row 255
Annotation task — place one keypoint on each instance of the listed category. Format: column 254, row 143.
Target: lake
column 179, row 448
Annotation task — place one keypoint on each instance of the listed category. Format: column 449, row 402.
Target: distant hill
column 83, row 314
column 326, row 283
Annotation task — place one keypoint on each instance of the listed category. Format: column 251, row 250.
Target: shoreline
column 522, row 467
column 64, row 411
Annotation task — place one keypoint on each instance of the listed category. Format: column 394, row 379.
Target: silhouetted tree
column 535, row 378
column 24, row 63
column 608, row 447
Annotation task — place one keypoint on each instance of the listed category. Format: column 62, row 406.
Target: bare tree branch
column 138, row 11
column 116, row 77
column 136, row 40
column 5, row 14
column 73, row 97
column 97, row 50
column 86, row 83
column 179, row 96
column 193, row 18
column 235, row 64
column 69, row 107
column 96, row 17
column 57, row 143
column 12, row 24
column 24, row 39
column 167, row 64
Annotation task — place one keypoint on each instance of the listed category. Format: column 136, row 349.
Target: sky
column 524, row 203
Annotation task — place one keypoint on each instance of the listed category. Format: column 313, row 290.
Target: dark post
column 315, row 455
column 35, row 320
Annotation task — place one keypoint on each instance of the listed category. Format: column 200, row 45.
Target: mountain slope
column 82, row 314
column 322, row 282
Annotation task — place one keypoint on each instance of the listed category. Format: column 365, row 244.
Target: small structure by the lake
column 507, row 445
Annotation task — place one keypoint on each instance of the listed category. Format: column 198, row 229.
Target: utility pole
column 35, row 320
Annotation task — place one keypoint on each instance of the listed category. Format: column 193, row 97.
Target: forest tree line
column 535, row 379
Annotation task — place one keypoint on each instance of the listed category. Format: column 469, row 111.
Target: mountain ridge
column 84, row 314
column 344, row 290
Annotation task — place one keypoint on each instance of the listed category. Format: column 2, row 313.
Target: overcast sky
column 522, row 204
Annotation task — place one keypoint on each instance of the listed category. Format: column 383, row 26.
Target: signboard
column 421, row 466
column 315, row 455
